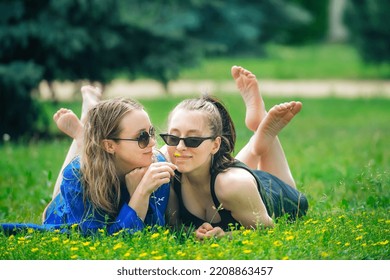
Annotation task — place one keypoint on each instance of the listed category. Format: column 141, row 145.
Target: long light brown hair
column 99, row 175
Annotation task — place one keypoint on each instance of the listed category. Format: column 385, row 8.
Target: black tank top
column 227, row 221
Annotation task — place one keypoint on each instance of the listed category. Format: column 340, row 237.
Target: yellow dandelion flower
column 270, row 231
column 157, row 257
column 341, row 217
column 127, row 254
column 291, row 237
column 143, row 255
column 246, row 232
column 308, row 221
column 34, row 250
column 73, row 242
column 55, row 239
column 347, row 244
column 74, row 226
column 155, row 235
column 214, row 245
column 324, row 254
column 364, row 244
column 384, row 242
column 246, row 251
column 117, row 246
column 11, row 237
column 315, row 222
column 387, row 222
column 166, row 232
column 74, row 257
column 65, row 241
column 74, row 248
column 278, row 243
column 381, row 220
column 359, row 226
column 285, row 258
column 86, row 243
column 338, row 243
column 245, row 242
column 56, row 231
column 101, row 230
column 21, row 239
column 360, row 237
column 180, row 253
column 92, row 248
column 30, row 230
column 328, row 220
column 154, row 252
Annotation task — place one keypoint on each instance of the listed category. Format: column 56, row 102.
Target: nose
column 181, row 145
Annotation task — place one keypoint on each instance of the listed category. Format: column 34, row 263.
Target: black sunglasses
column 143, row 139
column 190, row 142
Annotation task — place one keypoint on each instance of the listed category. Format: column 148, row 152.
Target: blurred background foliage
column 73, row 40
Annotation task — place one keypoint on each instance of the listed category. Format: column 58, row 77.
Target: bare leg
column 255, row 110
column 266, row 144
column 264, row 150
column 247, row 84
column 68, row 123
column 91, row 96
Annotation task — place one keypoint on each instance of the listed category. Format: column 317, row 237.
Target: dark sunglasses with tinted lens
column 143, row 139
column 190, row 142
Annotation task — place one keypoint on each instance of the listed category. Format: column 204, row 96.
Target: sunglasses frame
column 185, row 139
column 150, row 134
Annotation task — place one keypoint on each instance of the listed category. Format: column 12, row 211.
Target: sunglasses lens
column 143, row 140
column 171, row 140
column 192, row 142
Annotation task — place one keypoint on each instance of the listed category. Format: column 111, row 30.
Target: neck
column 199, row 179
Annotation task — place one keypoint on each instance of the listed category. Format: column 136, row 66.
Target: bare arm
column 172, row 212
column 237, row 190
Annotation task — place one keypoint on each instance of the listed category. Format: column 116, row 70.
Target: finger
column 199, row 236
column 207, row 226
column 162, row 175
column 167, row 164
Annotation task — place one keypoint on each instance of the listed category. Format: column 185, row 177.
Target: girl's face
column 185, row 124
column 128, row 155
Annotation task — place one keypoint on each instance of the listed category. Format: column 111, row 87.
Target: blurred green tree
column 99, row 40
column 369, row 31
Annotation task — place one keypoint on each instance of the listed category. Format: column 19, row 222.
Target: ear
column 109, row 146
column 216, row 145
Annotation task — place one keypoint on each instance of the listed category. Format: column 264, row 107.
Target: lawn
column 322, row 61
column 338, row 152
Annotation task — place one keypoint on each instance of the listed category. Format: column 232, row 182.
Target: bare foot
column 68, row 123
column 247, row 84
column 276, row 119
column 91, row 96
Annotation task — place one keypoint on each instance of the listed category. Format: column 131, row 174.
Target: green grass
column 323, row 61
column 338, row 152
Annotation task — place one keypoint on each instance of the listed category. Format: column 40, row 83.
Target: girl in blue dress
column 95, row 191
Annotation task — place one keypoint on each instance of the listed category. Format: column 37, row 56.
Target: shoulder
column 234, row 182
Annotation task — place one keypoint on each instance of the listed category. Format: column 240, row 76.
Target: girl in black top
column 215, row 192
